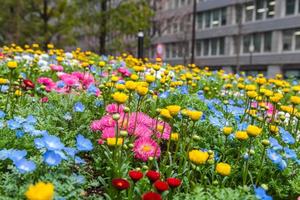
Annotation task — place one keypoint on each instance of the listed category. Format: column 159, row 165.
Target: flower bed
column 76, row 125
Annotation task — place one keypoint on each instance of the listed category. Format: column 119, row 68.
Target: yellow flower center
column 146, row 148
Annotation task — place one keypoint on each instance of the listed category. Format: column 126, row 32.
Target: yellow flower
column 114, row 78
column 120, row 97
column 150, row 78
column 223, row 169
column 134, row 77
column 40, row 191
column 253, row 130
column 227, row 130
column 141, row 90
column 295, row 100
column 174, row 136
column 252, row 94
column 50, row 46
column 113, row 141
column 194, row 115
column 130, row 85
column 165, row 113
column 241, row 135
column 120, row 86
column 261, row 80
column 12, row 64
column 250, row 87
column 101, row 64
column 3, row 81
column 198, row 157
column 274, row 129
column 18, row 93
column 60, row 59
column 173, row 109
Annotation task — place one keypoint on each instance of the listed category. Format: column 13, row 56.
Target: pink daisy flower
column 108, row 133
column 161, row 131
column 113, row 108
column 57, row 68
column 145, row 148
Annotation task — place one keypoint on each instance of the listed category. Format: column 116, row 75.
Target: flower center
column 146, row 148
column 160, row 128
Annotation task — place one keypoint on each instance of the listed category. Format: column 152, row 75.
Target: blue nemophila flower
column 183, row 89
column 230, row 137
column 261, row 193
column 31, row 120
column 19, row 133
column 52, row 143
column 98, row 103
column 19, row 119
column 242, row 126
column 2, row 114
column 92, row 89
column 70, row 151
column 38, row 132
column 51, row 158
column 274, row 144
column 4, row 154
column 246, row 156
column 25, row 166
column 215, row 121
column 83, row 144
column 67, row 116
column 79, row 107
column 28, row 128
column 164, row 95
column 60, row 84
column 290, row 153
column 286, row 136
column 78, row 178
column 4, row 88
column 16, row 155
column 13, row 124
column 39, row 143
column 276, row 159
column 1, row 124
column 78, row 160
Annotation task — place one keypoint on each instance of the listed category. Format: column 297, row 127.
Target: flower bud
column 265, row 142
column 116, row 116
column 126, row 109
column 251, row 152
column 145, row 167
column 150, row 158
column 196, row 137
column 265, row 186
column 123, row 133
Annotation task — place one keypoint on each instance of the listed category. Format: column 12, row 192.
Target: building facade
column 255, row 36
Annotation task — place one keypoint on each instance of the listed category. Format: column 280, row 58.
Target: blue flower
column 83, row 144
column 52, row 143
column 31, row 119
column 4, row 153
column 4, row 88
column 52, row 158
column 183, row 89
column 13, row 125
column 286, row 136
column 246, row 156
column 215, row 121
column 39, row 143
column 70, row 151
column 2, row 114
column 25, row 166
column 1, row 124
column 164, row 95
column 230, row 137
column 78, row 178
column 79, row 107
column 98, row 103
column 260, row 193
column 78, row 160
column 67, row 116
column 19, row 133
column 16, row 155
column 242, row 126
column 276, row 159
column 274, row 144
column 28, row 128
column 92, row 89
column 290, row 154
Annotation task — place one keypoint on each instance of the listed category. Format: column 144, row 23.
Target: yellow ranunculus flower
column 227, row 130
column 253, row 130
column 241, row 135
column 130, row 85
column 18, row 93
column 165, row 113
column 194, row 114
column 3, row 81
column 223, row 168
column 173, row 109
column 295, row 100
column 120, row 97
column 12, row 64
column 113, row 141
column 40, row 191
column 198, row 157
column 174, row 136
column 141, row 90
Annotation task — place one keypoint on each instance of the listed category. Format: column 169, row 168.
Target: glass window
column 207, row 19
column 268, row 41
column 168, row 51
column 297, row 38
column 198, row 47
column 199, row 20
column 222, row 46
column 180, row 49
column 223, row 16
column 206, row 47
column 260, row 10
column 238, row 14
column 287, row 40
column 175, row 27
column 169, row 26
column 290, row 7
column 257, row 42
column 182, row 2
column 181, row 27
column 299, row 6
column 215, row 18
column 176, row 3
column 249, row 11
column 174, row 50
column 246, row 43
column 214, row 46
column 271, row 8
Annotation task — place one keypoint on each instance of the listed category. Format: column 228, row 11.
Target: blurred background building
column 255, row 36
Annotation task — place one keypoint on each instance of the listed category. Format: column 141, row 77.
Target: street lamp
column 251, row 50
column 140, row 52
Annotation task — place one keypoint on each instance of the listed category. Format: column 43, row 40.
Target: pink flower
column 100, row 141
column 142, row 131
column 105, row 122
column 108, row 133
column 124, row 71
column 145, row 148
column 96, row 125
column 113, row 108
column 44, row 100
column 69, row 79
column 161, row 131
column 50, row 85
column 57, row 68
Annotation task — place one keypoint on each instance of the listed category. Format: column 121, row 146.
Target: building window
column 207, row 19
column 287, row 40
column 174, row 50
column 268, row 42
column 206, row 47
column 167, row 50
column 257, row 42
column 215, row 18
column 249, row 11
column 180, row 49
column 222, row 46
column 246, row 43
column 198, row 48
column 214, row 46
column 223, row 16
column 297, row 37
column 199, row 21
column 290, row 7
column 271, row 8
column 260, row 9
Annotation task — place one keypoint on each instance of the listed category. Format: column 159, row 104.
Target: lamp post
column 140, row 52
column 193, row 32
column 251, row 50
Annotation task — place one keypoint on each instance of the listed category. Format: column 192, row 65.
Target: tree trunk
column 103, row 32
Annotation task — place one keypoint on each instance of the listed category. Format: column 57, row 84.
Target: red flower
column 120, row 184
column 174, row 182
column 28, row 84
column 135, row 175
column 151, row 196
column 152, row 175
column 44, row 100
column 161, row 186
